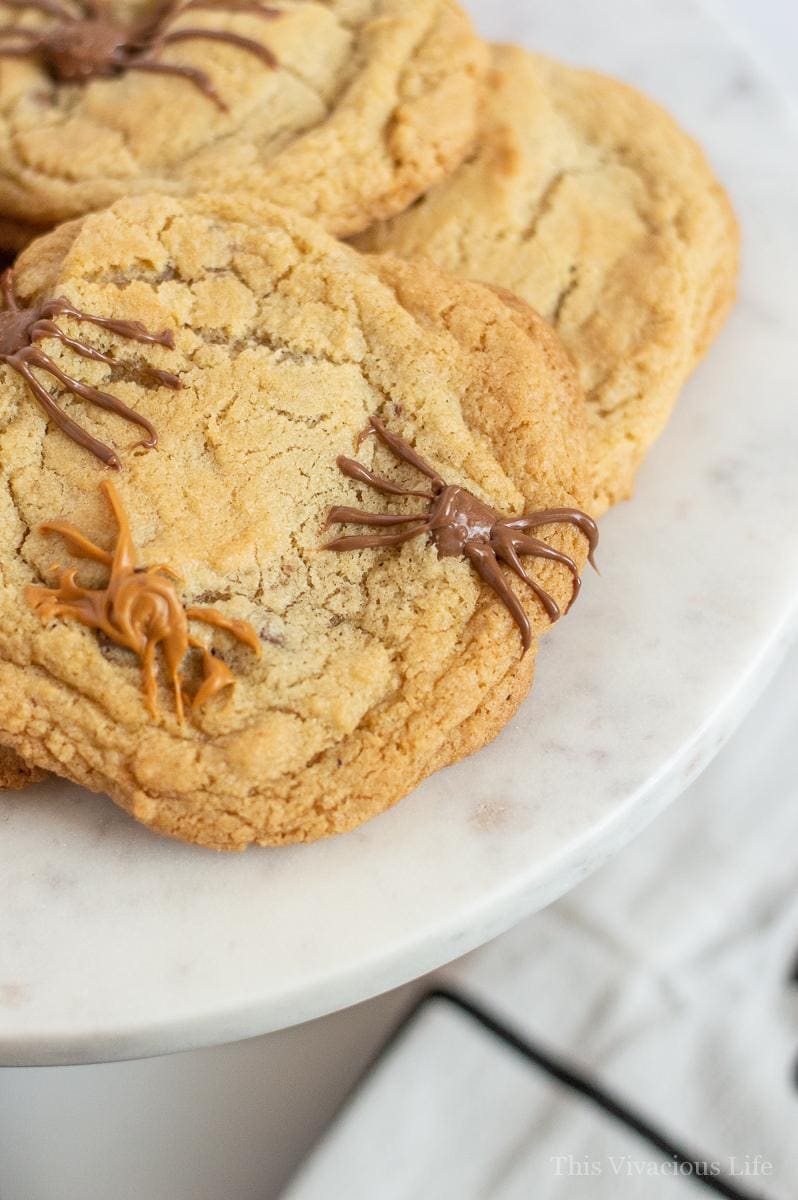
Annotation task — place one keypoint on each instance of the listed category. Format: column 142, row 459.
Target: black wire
column 571, row 1077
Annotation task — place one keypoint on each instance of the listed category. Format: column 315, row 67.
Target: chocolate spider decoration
column 461, row 524
column 139, row 609
column 91, row 44
column 21, row 329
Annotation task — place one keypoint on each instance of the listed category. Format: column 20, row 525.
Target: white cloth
column 667, row 975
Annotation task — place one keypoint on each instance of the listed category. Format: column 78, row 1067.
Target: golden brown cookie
column 285, row 343
column 497, row 708
column 587, row 200
column 344, row 110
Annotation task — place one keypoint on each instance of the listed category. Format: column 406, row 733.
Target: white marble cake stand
column 116, row 944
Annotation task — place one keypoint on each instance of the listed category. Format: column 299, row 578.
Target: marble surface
column 680, row 950
column 115, row 944
column 669, row 975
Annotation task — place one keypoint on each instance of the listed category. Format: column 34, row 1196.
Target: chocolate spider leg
column 525, row 544
column 9, row 290
column 73, row 601
column 48, row 607
column 19, row 31
column 173, row 652
column 488, row 569
column 192, row 74
column 124, row 551
column 142, row 34
column 509, row 555
column 511, row 542
column 77, row 543
column 558, row 516
column 49, row 597
column 404, row 451
column 237, row 6
column 240, row 630
column 70, row 590
column 216, row 675
column 60, row 418
column 356, row 516
column 266, row 55
column 143, row 371
column 149, row 681
column 17, row 51
column 28, row 47
column 132, row 330
column 171, row 11
column 41, row 600
column 507, row 551
column 357, row 471
column 37, row 358
column 165, row 569
column 539, row 549
column 358, row 541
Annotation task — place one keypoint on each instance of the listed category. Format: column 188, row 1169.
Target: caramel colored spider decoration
column 461, row 524
column 21, row 329
column 138, row 608
column 88, row 43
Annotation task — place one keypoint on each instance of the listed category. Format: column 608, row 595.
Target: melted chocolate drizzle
column 21, row 329
column 139, row 609
column 92, row 45
column 462, row 525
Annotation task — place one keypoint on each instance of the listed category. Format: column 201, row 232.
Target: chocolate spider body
column 460, row 524
column 21, row 329
column 139, row 609
column 93, row 45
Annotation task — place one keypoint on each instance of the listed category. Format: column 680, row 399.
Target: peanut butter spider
column 139, row 609
column 21, row 329
column 461, row 524
column 86, row 42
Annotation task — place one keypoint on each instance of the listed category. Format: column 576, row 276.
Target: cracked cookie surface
column 370, row 102
column 376, row 665
column 588, row 201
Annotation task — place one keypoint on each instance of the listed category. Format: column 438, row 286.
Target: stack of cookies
column 283, row 515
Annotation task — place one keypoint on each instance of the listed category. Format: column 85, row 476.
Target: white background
column 194, row 1119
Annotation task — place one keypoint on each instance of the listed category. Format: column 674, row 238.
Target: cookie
column 287, row 346
column 345, row 110
column 497, row 708
column 505, row 698
column 588, row 201
column 14, row 773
